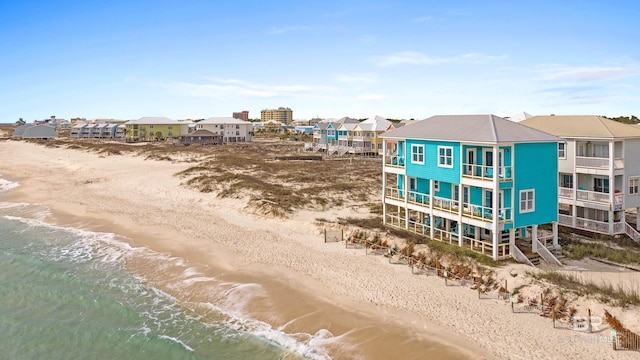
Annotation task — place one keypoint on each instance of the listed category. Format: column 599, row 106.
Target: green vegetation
column 606, row 293
column 621, row 250
column 625, row 119
column 602, row 251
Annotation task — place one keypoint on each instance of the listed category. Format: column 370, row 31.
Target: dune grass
column 606, row 292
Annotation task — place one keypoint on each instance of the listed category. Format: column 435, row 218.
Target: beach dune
column 352, row 305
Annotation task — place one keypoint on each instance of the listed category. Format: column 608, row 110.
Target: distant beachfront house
column 324, row 133
column 78, row 129
column 273, row 125
column 202, row 137
column 598, row 172
column 475, row 181
column 33, row 131
column 303, row 129
column 154, row 128
column 366, row 138
column 361, row 137
column 230, row 129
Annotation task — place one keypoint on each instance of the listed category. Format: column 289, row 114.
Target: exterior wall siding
column 534, row 171
column 567, row 165
column 430, row 168
column 631, row 169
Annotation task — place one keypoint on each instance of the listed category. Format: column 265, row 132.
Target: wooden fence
column 624, row 340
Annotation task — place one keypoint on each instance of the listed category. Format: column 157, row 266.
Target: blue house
column 325, row 135
column 475, row 181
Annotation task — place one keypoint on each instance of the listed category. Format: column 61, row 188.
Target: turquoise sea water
column 65, row 294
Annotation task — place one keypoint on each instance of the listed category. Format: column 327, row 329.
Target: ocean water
column 65, row 293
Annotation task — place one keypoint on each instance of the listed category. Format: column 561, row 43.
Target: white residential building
column 599, row 172
column 231, row 129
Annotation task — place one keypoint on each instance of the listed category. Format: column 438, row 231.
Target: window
column 601, row 185
column 566, row 181
column 237, row 126
column 237, row 133
column 633, row 185
column 601, row 150
column 527, row 201
column 151, row 126
column 562, row 150
column 445, row 156
column 417, row 154
column 412, row 184
column 436, row 185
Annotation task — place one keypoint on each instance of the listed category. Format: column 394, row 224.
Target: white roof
column 224, row 120
column 376, row 123
column 520, row 116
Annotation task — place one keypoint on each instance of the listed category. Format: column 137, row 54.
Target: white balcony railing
column 419, row 198
column 397, row 161
column 484, row 172
column 592, row 162
column 566, row 220
column 393, row 193
column 566, row 193
column 445, row 204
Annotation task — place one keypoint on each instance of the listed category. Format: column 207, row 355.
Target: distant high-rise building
column 243, row 115
column 281, row 114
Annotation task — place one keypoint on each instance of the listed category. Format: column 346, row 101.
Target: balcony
column 599, row 163
column 482, row 246
column 419, row 198
column 566, row 193
column 482, row 213
column 394, row 160
column 484, row 172
column 592, row 196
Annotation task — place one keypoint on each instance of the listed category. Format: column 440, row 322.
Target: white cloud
column 370, row 97
column 419, row 58
column 587, row 73
column 356, row 78
column 241, row 88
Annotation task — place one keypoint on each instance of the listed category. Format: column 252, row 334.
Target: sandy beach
column 359, row 306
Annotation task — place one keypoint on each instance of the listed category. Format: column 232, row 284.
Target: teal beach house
column 475, row 181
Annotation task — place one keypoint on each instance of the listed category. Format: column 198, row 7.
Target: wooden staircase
column 533, row 257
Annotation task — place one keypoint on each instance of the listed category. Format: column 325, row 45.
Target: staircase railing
column 546, row 254
column 519, row 255
column 631, row 232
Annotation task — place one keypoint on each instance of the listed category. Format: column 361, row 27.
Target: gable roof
column 378, row 123
column 201, row 132
column 153, row 120
column 348, row 126
column 582, row 126
column 523, row 115
column 223, row 120
column 470, row 128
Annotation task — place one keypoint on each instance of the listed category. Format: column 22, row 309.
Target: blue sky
column 402, row 59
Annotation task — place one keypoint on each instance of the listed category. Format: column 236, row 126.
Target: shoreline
column 311, row 309
column 343, row 288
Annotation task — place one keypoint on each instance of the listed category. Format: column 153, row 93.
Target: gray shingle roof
column 470, row 128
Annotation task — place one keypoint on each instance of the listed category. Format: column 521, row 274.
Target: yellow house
column 154, row 128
